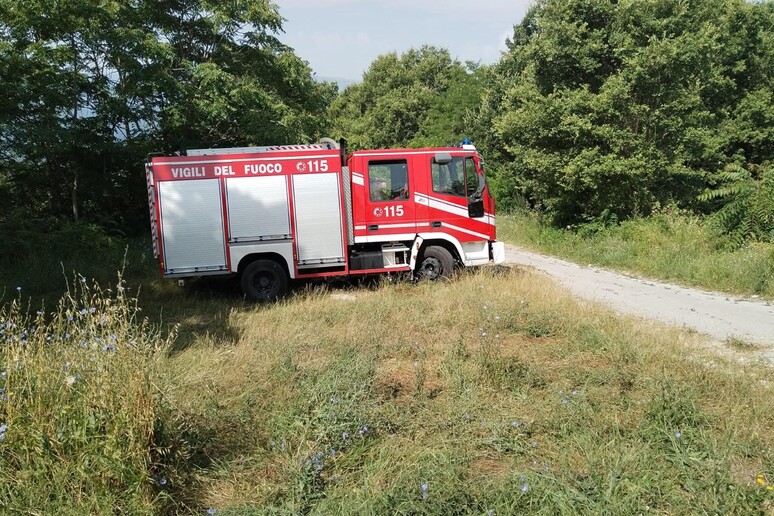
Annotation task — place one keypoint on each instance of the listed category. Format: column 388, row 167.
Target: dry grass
column 475, row 387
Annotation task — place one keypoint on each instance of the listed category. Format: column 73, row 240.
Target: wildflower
column 565, row 401
column 3, row 395
column 524, row 488
column 211, row 511
column 574, row 392
column 18, row 289
column 363, row 430
column 70, row 318
column 760, row 480
column 678, row 434
column 82, row 311
column 534, row 444
column 70, row 380
column 108, row 347
column 490, row 512
column 345, row 435
column 769, row 488
column 424, row 488
column 3, row 429
column 92, row 310
column 516, row 424
column 162, row 481
column 112, row 336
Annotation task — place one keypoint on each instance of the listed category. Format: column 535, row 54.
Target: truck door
column 389, row 209
column 454, row 202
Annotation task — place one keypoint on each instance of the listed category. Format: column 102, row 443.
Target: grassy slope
column 327, row 404
column 669, row 247
column 497, row 391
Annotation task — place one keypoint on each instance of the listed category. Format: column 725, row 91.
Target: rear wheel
column 436, row 263
column 264, row 280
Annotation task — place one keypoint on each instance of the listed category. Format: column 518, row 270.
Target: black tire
column 264, row 280
column 436, row 263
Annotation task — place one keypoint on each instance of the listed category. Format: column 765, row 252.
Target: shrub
column 77, row 404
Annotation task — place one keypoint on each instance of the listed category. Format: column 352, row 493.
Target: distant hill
column 343, row 83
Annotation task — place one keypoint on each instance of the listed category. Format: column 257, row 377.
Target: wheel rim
column 431, row 268
column 264, row 284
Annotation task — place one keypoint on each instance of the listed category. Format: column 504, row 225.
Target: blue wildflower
column 565, row 401
column 82, row 311
column 363, row 430
column 212, row 510
column 524, row 488
column 678, row 434
column 424, row 489
column 345, row 435
column 162, row 481
column 18, row 289
column 516, row 424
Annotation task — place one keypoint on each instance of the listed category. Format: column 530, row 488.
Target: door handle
column 373, row 227
column 436, row 224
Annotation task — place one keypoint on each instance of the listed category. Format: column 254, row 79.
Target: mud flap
column 415, row 252
column 498, row 252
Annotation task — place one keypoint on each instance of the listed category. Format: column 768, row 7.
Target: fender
column 447, row 238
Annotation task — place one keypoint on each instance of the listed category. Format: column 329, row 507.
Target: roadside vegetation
column 676, row 247
column 495, row 391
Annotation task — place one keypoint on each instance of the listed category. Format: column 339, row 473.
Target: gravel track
column 720, row 316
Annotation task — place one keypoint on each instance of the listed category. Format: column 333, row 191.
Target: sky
column 341, row 38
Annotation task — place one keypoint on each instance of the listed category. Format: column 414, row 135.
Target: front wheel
column 436, row 263
column 264, row 280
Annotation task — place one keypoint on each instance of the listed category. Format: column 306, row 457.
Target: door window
column 388, row 180
column 459, row 177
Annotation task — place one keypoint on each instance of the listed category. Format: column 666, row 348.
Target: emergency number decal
column 315, row 165
column 389, row 211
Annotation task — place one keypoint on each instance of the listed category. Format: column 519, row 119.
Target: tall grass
column 492, row 392
column 668, row 246
column 78, row 405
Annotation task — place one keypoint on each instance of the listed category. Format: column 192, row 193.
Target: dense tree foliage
column 417, row 99
column 599, row 110
column 604, row 107
column 90, row 87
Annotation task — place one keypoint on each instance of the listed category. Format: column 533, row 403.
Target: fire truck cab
column 272, row 214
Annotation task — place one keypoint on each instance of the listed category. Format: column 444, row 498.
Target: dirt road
column 719, row 315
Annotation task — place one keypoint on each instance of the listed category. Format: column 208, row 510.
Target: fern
column 748, row 213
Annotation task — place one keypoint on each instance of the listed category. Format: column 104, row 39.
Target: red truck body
column 272, row 214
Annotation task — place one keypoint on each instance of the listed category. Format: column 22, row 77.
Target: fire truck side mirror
column 443, row 158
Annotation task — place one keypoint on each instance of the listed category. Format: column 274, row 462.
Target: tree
column 418, row 98
column 602, row 106
column 93, row 86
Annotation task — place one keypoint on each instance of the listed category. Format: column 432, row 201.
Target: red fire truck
column 272, row 214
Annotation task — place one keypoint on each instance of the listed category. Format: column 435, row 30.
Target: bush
column 78, row 404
